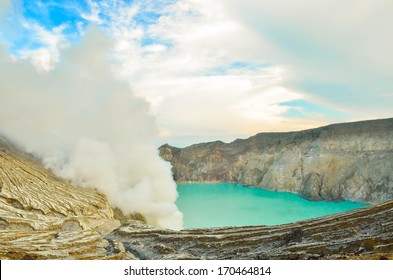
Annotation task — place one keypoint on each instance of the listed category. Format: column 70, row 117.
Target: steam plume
column 89, row 128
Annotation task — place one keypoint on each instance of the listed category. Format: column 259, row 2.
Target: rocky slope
column 44, row 217
column 365, row 233
column 350, row 161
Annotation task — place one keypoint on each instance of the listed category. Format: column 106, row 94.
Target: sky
column 224, row 69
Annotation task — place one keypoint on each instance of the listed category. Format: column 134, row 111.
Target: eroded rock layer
column 352, row 161
column 47, row 244
column 365, row 233
column 44, row 217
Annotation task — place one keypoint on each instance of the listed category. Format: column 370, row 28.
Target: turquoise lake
column 229, row 204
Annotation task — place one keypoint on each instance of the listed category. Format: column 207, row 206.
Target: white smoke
column 89, row 128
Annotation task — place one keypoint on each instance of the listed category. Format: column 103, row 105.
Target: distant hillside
column 350, row 161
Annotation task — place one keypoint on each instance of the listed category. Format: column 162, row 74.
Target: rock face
column 351, row 161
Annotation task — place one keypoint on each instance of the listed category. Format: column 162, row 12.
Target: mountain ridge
column 348, row 161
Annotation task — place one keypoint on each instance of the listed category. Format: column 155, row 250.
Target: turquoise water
column 229, row 204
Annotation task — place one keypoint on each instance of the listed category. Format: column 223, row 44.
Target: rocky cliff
column 350, row 161
column 44, row 217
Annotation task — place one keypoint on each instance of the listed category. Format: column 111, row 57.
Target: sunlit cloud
column 47, row 55
column 338, row 51
column 220, row 68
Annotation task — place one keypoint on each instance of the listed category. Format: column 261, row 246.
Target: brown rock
column 350, row 161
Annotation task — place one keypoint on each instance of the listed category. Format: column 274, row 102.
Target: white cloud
column 94, row 14
column 52, row 41
column 27, row 38
column 226, row 66
column 228, row 105
column 187, row 72
column 347, row 43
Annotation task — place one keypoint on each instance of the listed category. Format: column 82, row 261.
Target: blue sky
column 224, row 69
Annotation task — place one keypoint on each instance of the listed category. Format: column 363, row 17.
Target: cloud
column 45, row 57
column 339, row 52
column 26, row 37
column 203, row 72
column 93, row 14
column 215, row 68
column 89, row 128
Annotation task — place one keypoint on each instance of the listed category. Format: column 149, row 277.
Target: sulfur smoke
column 89, row 128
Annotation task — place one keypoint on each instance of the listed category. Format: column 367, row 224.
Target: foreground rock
column 352, row 161
column 365, row 233
column 44, row 217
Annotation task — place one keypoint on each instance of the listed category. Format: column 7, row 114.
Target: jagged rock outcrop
column 350, row 161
